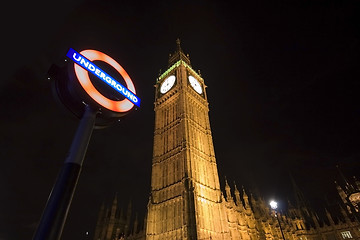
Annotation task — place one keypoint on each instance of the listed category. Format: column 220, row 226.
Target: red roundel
column 84, row 79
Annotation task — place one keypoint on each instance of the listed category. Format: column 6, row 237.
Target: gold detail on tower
column 185, row 200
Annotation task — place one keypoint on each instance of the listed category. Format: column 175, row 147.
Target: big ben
column 185, row 200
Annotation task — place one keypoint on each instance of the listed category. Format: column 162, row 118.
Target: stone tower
column 185, row 200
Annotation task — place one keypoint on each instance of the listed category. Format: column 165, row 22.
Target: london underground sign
column 84, row 64
column 72, row 86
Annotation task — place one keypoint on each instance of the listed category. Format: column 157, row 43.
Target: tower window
column 346, row 235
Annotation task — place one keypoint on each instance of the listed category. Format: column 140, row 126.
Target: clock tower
column 185, row 200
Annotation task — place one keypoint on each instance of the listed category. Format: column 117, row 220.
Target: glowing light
column 273, row 204
column 355, row 197
column 83, row 65
column 346, row 235
column 167, row 84
column 195, row 84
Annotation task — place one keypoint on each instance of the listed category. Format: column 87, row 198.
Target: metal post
column 54, row 216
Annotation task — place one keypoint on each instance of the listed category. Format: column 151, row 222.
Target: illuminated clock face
column 167, row 84
column 195, row 84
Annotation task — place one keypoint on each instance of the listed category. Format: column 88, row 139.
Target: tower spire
column 329, row 217
column 343, row 178
column 100, row 221
column 345, row 215
column 300, row 200
column 178, row 55
column 112, row 221
column 178, row 45
column 246, row 199
column 237, row 195
column 228, row 191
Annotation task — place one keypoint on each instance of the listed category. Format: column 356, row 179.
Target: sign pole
column 54, row 216
column 72, row 93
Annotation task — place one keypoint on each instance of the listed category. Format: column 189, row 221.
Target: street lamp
column 273, row 206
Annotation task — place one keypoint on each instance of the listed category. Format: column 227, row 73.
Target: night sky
column 283, row 88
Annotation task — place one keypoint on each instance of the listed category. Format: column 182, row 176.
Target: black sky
column 283, row 87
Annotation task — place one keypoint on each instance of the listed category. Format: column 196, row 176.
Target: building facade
column 186, row 201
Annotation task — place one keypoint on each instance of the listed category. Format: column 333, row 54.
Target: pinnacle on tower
column 178, row 55
column 357, row 183
column 246, row 199
column 100, row 221
column 136, row 223
column 178, row 45
column 228, row 191
column 348, row 186
column 315, row 220
column 112, row 220
column 128, row 218
column 344, row 214
column 237, row 195
column 329, row 217
column 341, row 192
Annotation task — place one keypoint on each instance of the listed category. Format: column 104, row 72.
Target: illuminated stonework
column 355, row 200
column 350, row 194
column 186, row 201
